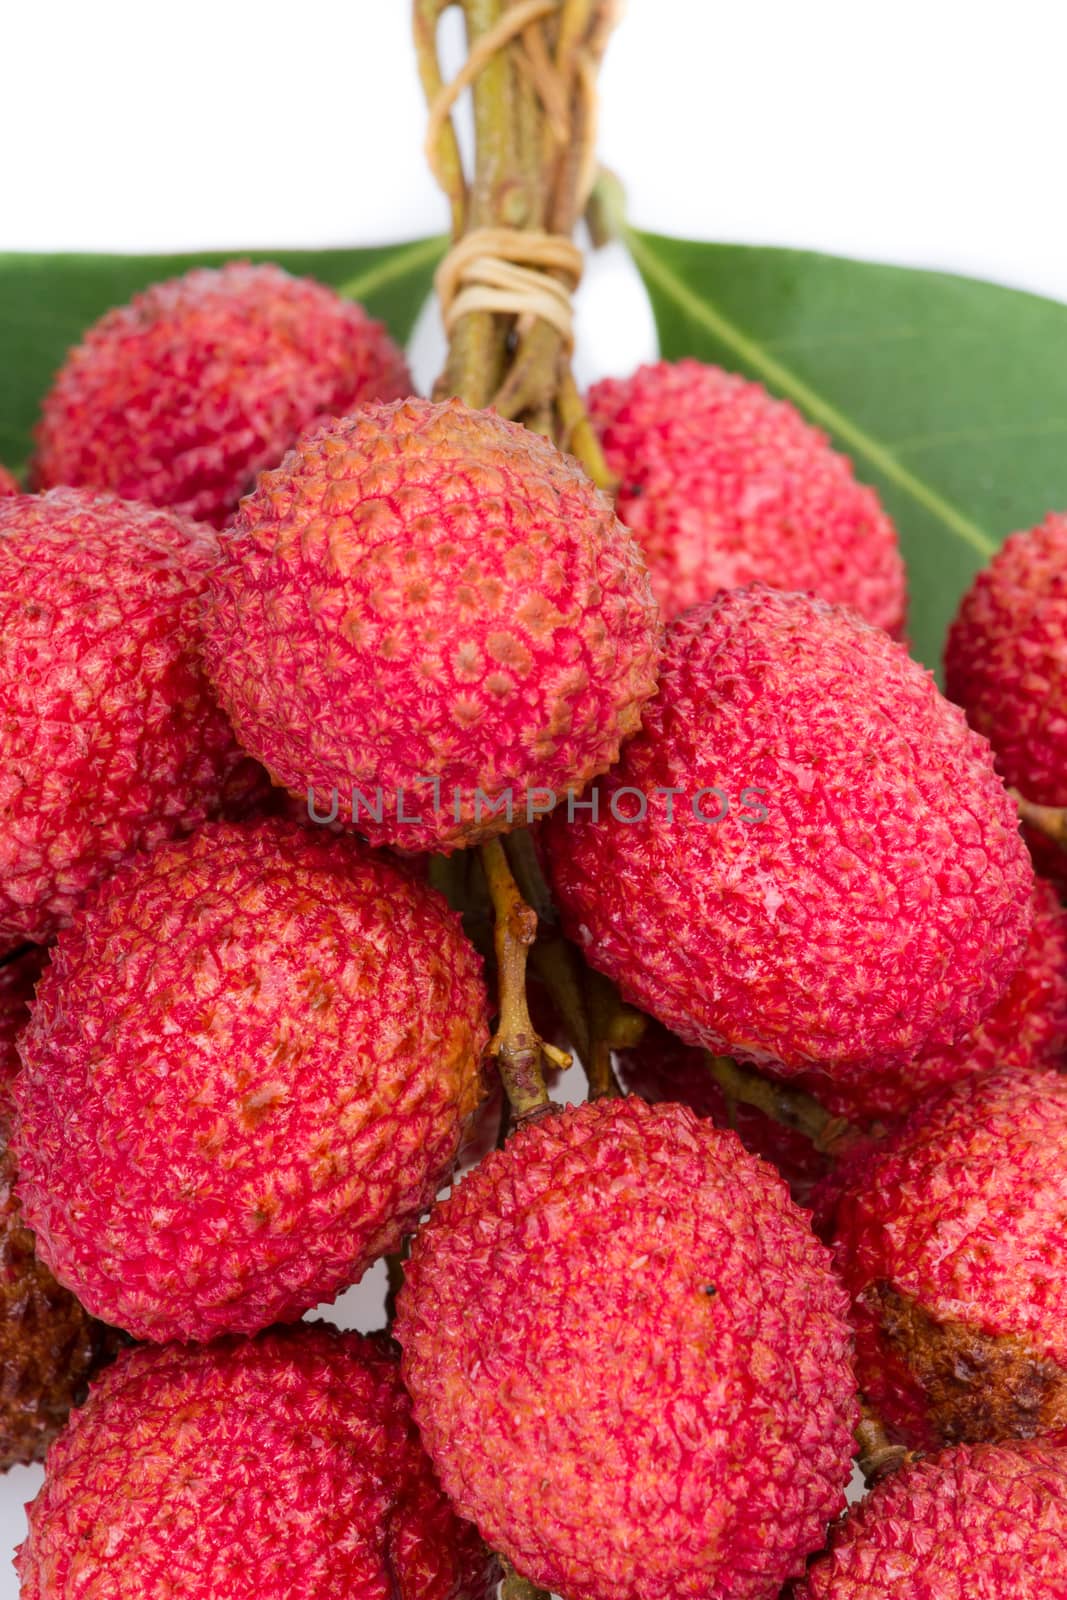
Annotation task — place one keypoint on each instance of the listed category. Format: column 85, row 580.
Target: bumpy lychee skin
column 951, row 1238
column 662, row 1068
column 8, row 484
column 436, row 607
column 1006, row 665
column 1006, row 659
column 987, row 1520
column 724, row 486
column 110, row 736
column 628, row 1359
column 865, row 896
column 1026, row 1028
column 48, row 1345
column 276, row 1468
column 247, row 1071
column 182, row 396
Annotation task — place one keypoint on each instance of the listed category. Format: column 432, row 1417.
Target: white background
column 926, row 132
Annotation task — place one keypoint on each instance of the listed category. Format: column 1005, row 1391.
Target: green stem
column 790, row 1107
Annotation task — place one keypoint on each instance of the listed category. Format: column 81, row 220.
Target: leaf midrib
column 759, row 360
column 392, row 268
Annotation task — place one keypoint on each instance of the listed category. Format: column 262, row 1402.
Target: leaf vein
column 781, row 377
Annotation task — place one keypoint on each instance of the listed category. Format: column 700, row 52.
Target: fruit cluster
column 287, row 654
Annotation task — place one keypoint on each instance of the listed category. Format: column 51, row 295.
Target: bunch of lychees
column 326, row 711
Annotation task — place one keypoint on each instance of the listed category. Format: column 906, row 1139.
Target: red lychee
column 1026, row 1028
column 805, row 858
column 181, row 397
column 1006, row 665
column 247, row 1072
column 267, row 1469
column 1006, row 659
column 110, row 736
column 951, row 1237
column 431, row 614
column 8, row 484
column 986, row 1521
column 724, row 486
column 662, row 1068
column 628, row 1359
column 48, row 1345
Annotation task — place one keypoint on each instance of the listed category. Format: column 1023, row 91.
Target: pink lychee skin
column 425, row 592
column 1006, row 665
column 980, row 1520
column 276, row 1468
column 1006, row 659
column 878, row 909
column 963, row 1210
column 8, row 484
column 246, row 1075
column 111, row 739
column 724, row 485
column 1026, row 1028
column 628, row 1361
column 182, row 396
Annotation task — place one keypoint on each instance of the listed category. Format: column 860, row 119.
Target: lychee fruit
column 8, row 484
column 951, row 1238
column 430, row 613
column 805, row 859
column 247, row 1072
column 1006, row 665
column 662, row 1068
column 110, row 736
column 261, row 1469
column 723, row 485
column 48, row 1345
column 1026, row 1028
column 628, row 1359
column 985, row 1521
column 181, row 397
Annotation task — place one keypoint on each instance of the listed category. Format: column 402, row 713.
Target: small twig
column 616, row 1026
column 1049, row 821
column 578, row 435
column 878, row 1456
column 790, row 1107
column 442, row 146
column 516, row 1047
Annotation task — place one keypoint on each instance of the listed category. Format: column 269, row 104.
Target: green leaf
column 47, row 302
column 950, row 395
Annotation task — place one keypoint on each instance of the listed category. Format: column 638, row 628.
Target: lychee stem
column 579, row 435
column 531, row 71
column 1049, row 821
column 616, row 1026
column 792, row 1108
column 877, row 1456
column 515, row 1046
column 589, row 1006
column 556, row 962
column 515, row 1588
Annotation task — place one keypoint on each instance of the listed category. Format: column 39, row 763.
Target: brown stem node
column 516, row 1047
column 878, row 1456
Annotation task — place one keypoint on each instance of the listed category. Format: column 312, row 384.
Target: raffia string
column 512, row 23
column 510, row 270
